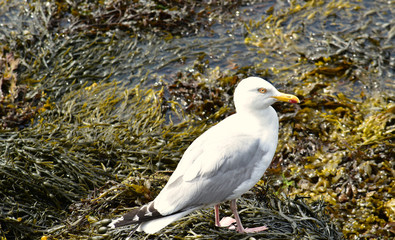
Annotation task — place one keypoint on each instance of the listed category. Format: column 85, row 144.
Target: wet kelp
column 105, row 142
column 162, row 17
column 350, row 161
column 78, row 146
column 339, row 145
column 65, row 152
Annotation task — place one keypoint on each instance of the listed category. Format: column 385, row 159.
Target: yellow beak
column 287, row 98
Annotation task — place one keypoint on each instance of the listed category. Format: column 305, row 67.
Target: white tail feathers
column 155, row 225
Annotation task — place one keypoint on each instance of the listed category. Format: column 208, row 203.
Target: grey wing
column 213, row 175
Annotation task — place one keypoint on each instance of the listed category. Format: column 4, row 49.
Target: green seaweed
column 338, row 145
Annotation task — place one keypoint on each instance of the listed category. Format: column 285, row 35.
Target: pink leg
column 225, row 222
column 216, row 213
column 240, row 227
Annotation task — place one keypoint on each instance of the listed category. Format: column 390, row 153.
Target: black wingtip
column 136, row 216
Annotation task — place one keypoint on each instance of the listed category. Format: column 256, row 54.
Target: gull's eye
column 262, row 90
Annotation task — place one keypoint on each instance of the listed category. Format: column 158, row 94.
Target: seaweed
column 286, row 219
column 100, row 99
column 333, row 146
column 162, row 17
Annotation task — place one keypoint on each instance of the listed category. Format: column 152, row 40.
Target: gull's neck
column 263, row 119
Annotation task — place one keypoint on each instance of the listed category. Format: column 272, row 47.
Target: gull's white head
column 255, row 94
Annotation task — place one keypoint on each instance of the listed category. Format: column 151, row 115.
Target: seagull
column 220, row 165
